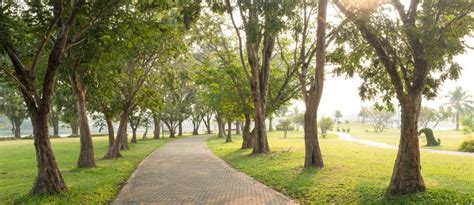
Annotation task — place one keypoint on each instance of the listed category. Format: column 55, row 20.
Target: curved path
column 184, row 171
column 350, row 138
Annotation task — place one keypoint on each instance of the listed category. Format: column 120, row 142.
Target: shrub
column 73, row 136
column 326, row 123
column 348, row 130
column 337, row 129
column 343, row 130
column 467, row 145
column 54, row 136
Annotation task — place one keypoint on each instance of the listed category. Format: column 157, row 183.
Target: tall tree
column 462, row 102
column 26, row 31
column 404, row 50
column 261, row 21
column 13, row 107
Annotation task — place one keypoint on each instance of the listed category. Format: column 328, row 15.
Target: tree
column 364, row 113
column 379, row 119
column 325, row 123
column 298, row 120
column 407, row 51
column 337, row 115
column 262, row 22
column 468, row 123
column 430, row 115
column 219, row 51
column 13, row 107
column 461, row 101
column 23, row 38
column 285, row 123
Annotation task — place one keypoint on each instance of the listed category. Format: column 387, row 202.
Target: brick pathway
column 185, row 171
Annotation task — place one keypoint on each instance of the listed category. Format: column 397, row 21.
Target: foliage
column 12, row 105
column 468, row 123
column 430, row 139
column 467, row 145
column 430, row 115
column 337, row 115
column 326, row 123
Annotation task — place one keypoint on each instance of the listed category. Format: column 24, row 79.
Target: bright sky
column 340, row 93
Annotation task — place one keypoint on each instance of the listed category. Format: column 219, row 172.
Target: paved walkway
column 350, row 138
column 185, row 171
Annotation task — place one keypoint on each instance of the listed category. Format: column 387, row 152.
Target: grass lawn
column 353, row 173
column 86, row 186
column 450, row 139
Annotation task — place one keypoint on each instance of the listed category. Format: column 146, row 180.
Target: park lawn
column 450, row 139
column 86, row 186
column 353, row 173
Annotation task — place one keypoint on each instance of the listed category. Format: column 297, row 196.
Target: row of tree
column 240, row 62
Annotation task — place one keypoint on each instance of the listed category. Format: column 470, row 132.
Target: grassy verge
column 86, row 186
column 353, row 173
column 450, row 139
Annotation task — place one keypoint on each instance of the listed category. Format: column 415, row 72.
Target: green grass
column 450, row 139
column 86, row 186
column 353, row 173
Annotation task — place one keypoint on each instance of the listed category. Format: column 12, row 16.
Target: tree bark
column 124, row 139
column 17, row 127
column 246, row 135
column 180, row 128
column 156, row 123
column 220, row 126
column 49, row 179
column 260, row 141
column 238, row 124
column 74, row 124
column 86, row 156
column 270, row 124
column 406, row 177
column 229, row 131
column 457, row 119
column 144, row 137
column 134, row 136
column 114, row 151
column 313, row 156
column 110, row 129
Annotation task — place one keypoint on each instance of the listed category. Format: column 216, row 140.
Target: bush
column 348, row 130
column 73, row 136
column 337, row 129
column 54, row 136
column 467, row 145
column 343, row 130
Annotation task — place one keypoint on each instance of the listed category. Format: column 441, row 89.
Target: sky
column 342, row 94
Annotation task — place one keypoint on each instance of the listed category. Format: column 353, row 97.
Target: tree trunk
column 74, row 124
column 220, row 126
column 260, row 141
column 134, row 135
column 207, row 123
column 49, row 179
column 457, row 120
column 284, row 133
column 406, row 177
column 246, row 135
column 114, row 151
column 144, row 137
column 238, row 124
column 270, row 123
column 229, row 131
column 55, row 122
column 17, row 127
column 180, row 128
column 124, row 139
column 313, row 156
column 86, row 156
column 172, row 133
column 156, row 131
column 110, row 129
